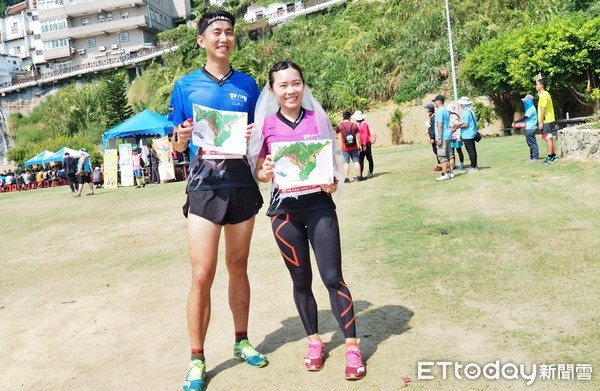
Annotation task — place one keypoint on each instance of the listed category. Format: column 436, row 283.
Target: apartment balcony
column 13, row 33
column 52, row 54
column 95, row 29
column 142, row 55
column 86, row 7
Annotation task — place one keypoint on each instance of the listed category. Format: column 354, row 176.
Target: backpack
column 349, row 137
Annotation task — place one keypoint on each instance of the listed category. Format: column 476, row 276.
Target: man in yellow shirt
column 546, row 118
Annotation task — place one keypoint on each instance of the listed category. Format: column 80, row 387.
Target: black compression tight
column 293, row 232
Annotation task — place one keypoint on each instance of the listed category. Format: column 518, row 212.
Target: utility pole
column 451, row 53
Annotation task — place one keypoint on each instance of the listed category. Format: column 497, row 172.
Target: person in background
column 430, row 124
column 351, row 144
column 530, row 122
column 98, row 178
column 455, row 123
column 546, row 118
column 468, row 131
column 84, row 172
column 154, row 162
column 367, row 139
column 443, row 138
column 70, row 165
column 138, row 166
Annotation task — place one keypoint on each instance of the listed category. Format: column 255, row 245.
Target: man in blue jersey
column 443, row 138
column 222, row 194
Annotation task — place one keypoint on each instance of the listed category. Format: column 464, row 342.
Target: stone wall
column 578, row 143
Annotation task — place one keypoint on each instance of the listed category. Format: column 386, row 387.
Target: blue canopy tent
column 40, row 158
column 146, row 123
column 60, row 154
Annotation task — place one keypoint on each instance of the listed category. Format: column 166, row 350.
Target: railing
column 123, row 59
column 115, row 25
column 296, row 9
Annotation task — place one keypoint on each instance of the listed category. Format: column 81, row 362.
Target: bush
column 395, row 124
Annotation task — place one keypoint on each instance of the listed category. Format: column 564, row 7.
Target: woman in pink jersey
column 367, row 138
column 303, row 215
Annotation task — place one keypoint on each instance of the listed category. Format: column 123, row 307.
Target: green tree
column 566, row 51
column 114, row 94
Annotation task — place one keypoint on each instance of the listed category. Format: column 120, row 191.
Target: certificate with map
column 303, row 163
column 220, row 134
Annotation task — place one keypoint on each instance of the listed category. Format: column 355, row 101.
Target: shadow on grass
column 374, row 326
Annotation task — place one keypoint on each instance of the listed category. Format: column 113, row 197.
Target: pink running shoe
column 355, row 369
column 316, row 355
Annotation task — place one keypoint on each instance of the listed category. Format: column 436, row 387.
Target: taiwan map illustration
column 219, row 133
column 303, row 163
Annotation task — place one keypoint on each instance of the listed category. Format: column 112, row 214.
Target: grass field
column 93, row 289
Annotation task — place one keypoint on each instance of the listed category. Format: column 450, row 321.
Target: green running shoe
column 244, row 351
column 195, row 376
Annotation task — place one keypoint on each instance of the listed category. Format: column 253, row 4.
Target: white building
column 8, row 66
column 277, row 13
column 258, row 12
column 76, row 32
column 55, row 37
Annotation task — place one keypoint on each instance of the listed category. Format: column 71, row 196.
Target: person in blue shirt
column 530, row 121
column 469, row 133
column 443, row 139
column 84, row 172
column 222, row 194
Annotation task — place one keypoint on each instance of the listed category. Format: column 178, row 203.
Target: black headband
column 227, row 17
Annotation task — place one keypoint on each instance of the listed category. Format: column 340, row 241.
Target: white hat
column 464, row 100
column 528, row 97
column 451, row 108
column 358, row 115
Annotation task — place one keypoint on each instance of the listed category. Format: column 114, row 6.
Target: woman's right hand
column 268, row 168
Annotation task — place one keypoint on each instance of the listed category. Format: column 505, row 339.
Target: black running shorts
column 224, row 206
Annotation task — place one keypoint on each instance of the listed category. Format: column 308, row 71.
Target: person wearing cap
column 367, row 138
column 222, row 194
column 468, row 131
column 443, row 138
column 546, row 118
column 84, row 172
column 455, row 123
column 98, row 179
column 530, row 122
column 430, row 124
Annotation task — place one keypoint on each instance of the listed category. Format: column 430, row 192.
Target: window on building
column 124, row 37
column 100, row 18
column 48, row 4
column 62, row 65
column 37, row 36
column 125, row 15
column 57, row 43
column 85, row 21
column 54, row 25
column 109, row 17
column 91, row 42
